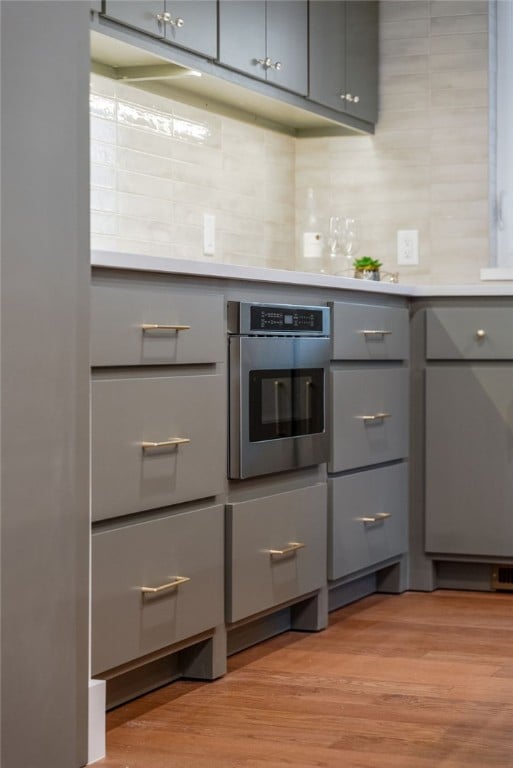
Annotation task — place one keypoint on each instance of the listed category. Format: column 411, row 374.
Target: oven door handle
column 277, row 385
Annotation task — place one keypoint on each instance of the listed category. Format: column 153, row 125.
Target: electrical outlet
column 209, row 234
column 408, row 247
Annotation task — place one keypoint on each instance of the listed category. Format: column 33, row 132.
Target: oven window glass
column 285, row 403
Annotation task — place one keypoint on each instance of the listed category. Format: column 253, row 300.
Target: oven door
column 277, row 404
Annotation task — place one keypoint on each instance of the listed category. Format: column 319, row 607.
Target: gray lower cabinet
column 369, row 421
column 469, row 459
column 184, row 23
column 343, row 56
column 276, row 550
column 156, row 441
column 368, row 519
column 469, row 333
column 267, row 39
column 154, row 584
column 369, row 408
column 147, row 322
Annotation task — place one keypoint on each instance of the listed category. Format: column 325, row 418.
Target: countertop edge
column 142, row 263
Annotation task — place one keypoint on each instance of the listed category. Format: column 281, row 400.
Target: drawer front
column 368, row 520
column 471, row 333
column 128, row 623
column 369, row 417
column 126, row 413
column 259, row 579
column 120, row 309
column 366, row 332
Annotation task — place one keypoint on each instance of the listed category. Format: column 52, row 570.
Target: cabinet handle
column 342, row 96
column 292, row 548
column 376, row 518
column 166, row 18
column 171, row 585
column 481, row 334
column 163, row 327
column 267, row 63
column 351, row 98
column 173, row 441
column 377, row 332
column 375, row 417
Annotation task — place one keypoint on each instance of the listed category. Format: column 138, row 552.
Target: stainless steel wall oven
column 278, row 364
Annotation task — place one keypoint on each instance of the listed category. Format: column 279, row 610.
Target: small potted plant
column 366, row 268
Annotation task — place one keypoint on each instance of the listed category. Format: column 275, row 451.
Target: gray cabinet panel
column 242, row 35
column 355, row 394
column 367, row 332
column 128, row 412
column 198, row 31
column 120, row 308
column 287, row 43
column 277, row 29
column 127, row 623
column 140, row 14
column 362, row 59
column 368, row 520
column 258, row 580
column 472, row 333
column 469, row 460
column 327, row 60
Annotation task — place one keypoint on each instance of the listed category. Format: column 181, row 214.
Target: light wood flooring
column 396, row 681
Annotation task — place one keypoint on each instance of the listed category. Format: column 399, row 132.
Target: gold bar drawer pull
column 289, row 550
column 171, row 443
column 376, row 518
column 376, row 417
column 376, row 332
column 163, row 587
column 163, row 327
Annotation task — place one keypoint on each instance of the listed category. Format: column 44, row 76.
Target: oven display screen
column 285, row 403
column 288, row 319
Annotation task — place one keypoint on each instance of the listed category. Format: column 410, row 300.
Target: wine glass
column 334, row 236
column 350, row 238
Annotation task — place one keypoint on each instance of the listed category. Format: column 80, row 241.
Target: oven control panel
column 280, row 319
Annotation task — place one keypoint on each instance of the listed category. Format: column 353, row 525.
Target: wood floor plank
column 407, row 681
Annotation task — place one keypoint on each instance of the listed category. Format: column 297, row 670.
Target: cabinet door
column 140, row 14
column 287, row 43
column 327, row 57
column 362, row 59
column 368, row 518
column 242, row 35
column 199, row 29
column 469, row 460
column 128, row 475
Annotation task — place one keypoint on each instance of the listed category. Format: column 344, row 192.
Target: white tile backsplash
column 158, row 165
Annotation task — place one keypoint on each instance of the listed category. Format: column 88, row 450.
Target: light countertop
column 137, row 262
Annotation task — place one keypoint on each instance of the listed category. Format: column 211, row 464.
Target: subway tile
column 103, row 176
column 146, row 229
column 455, row 229
column 103, row 200
column 468, row 191
column 398, row 102
column 102, row 107
column 103, row 153
column 397, row 10
column 408, row 120
column 467, row 60
column 142, row 207
column 458, row 7
column 407, row 28
column 142, row 162
column 459, row 43
column 453, row 172
column 459, row 80
column 192, row 173
column 405, row 83
column 414, row 46
column 102, row 130
column 453, row 25
column 205, row 197
column 245, row 226
column 458, row 152
column 404, row 65
column 190, row 215
column 450, row 209
column 104, row 86
column 449, row 98
column 207, row 157
column 104, row 223
column 141, row 184
column 144, row 141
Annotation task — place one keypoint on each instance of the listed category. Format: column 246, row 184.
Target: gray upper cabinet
column 343, row 59
column 266, row 39
column 187, row 24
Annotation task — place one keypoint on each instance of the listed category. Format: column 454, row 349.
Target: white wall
column 158, row 165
